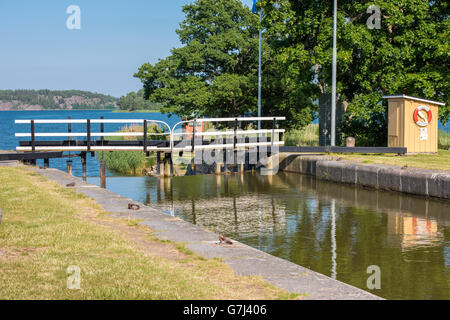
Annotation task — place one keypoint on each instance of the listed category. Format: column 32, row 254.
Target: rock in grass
column 70, row 184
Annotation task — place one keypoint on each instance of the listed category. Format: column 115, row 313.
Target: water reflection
column 334, row 229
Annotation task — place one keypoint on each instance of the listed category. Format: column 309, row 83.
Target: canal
column 334, row 229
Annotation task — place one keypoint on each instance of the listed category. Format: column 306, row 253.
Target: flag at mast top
column 254, row 9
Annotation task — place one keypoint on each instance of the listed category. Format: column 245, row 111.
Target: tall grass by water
column 131, row 162
column 308, row 136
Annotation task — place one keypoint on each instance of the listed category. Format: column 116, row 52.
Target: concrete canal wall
column 429, row 183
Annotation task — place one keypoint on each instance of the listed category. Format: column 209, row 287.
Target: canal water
column 334, row 229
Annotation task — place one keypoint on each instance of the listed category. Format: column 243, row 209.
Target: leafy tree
column 407, row 55
column 215, row 72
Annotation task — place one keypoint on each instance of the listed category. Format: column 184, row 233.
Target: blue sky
column 37, row 51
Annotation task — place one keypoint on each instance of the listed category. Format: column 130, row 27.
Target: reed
column 307, row 136
column 134, row 163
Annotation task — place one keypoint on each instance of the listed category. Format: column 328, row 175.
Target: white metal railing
column 88, row 134
column 171, row 132
column 236, row 133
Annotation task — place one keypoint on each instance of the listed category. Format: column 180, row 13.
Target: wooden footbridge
column 224, row 134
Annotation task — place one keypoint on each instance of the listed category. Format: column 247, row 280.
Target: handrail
column 171, row 131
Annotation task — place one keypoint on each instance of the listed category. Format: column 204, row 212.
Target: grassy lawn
column 47, row 228
column 440, row 161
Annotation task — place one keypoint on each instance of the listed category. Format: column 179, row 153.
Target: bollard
column 69, row 167
column 350, row 142
column 102, row 174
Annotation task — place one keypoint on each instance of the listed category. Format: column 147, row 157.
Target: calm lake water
column 334, row 229
column 9, row 142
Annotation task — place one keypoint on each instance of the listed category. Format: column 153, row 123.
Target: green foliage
column 135, row 101
column 308, row 136
column 59, row 99
column 408, row 55
column 444, row 140
column 215, row 72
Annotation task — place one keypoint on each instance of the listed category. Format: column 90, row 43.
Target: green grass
column 308, row 136
column 440, row 161
column 47, row 228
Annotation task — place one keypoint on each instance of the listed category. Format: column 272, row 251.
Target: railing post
column 69, row 130
column 33, row 139
column 145, row 136
column 194, row 130
column 217, row 153
column 88, row 140
column 272, row 138
column 193, row 135
column 102, row 129
column 235, row 141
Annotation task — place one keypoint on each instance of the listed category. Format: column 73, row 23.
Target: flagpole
column 259, row 71
column 334, row 71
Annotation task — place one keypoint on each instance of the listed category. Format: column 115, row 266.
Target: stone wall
column 430, row 183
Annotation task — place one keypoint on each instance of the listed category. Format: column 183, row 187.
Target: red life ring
column 416, row 116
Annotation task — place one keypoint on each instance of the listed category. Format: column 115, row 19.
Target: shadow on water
column 337, row 230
